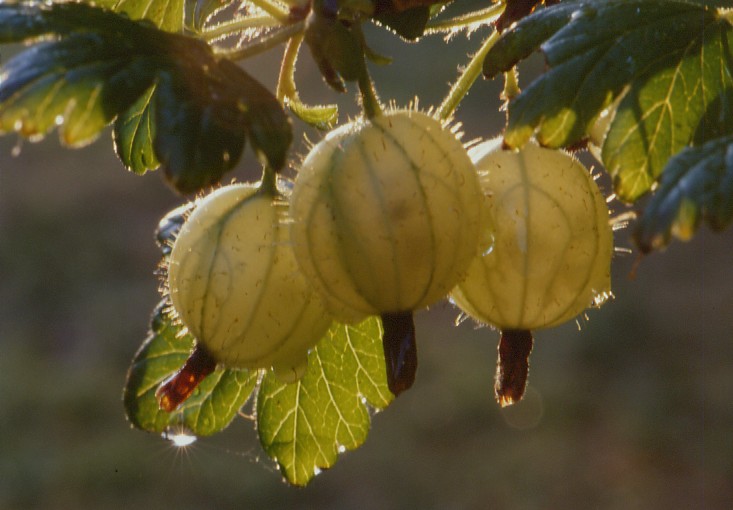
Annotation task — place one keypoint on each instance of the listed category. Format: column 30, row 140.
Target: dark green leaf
column 304, row 426
column 21, row 21
column 164, row 14
column 170, row 225
column 134, row 133
column 672, row 57
column 514, row 11
column 202, row 107
column 377, row 58
column 202, row 116
column 268, row 127
column 697, row 185
column 199, row 128
column 214, row 404
column 336, row 49
column 408, row 24
column 518, row 44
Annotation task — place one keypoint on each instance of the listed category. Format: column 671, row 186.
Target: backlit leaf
column 687, row 99
column 320, row 116
column 165, row 14
column 305, row 425
column 408, row 24
column 198, row 12
column 103, row 66
column 79, row 84
column 669, row 55
column 696, row 186
column 133, row 134
column 214, row 404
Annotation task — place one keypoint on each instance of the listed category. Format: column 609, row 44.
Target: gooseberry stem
column 461, row 87
column 469, row 20
column 369, row 101
column 269, row 180
column 286, row 80
column 264, row 43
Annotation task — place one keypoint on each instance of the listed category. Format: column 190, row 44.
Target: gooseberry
column 386, row 219
column 551, row 251
column 235, row 285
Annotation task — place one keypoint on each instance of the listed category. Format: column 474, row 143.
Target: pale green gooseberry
column 551, row 254
column 235, row 284
column 386, row 214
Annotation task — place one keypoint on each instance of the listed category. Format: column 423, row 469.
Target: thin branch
column 239, row 25
column 479, row 17
column 461, row 87
column 264, row 43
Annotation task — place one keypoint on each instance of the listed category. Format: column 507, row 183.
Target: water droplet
column 59, row 120
column 179, row 438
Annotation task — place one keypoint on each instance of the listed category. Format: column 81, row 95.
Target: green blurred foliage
column 632, row 411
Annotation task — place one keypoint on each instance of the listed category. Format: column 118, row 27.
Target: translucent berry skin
column 236, row 286
column 386, row 214
column 552, row 248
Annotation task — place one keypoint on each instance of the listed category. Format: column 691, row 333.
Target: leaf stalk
column 226, row 29
column 466, row 21
column 264, row 43
column 461, row 87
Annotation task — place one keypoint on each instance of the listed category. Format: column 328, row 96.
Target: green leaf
column 164, row 14
column 408, row 24
column 697, row 185
column 198, row 12
column 685, row 99
column 305, row 425
column 268, row 127
column 21, row 21
column 323, row 117
column 671, row 56
column 336, row 49
column 79, row 84
column 197, row 138
column 133, row 135
column 104, row 66
column 214, row 404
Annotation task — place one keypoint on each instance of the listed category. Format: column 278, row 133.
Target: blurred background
column 631, row 411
